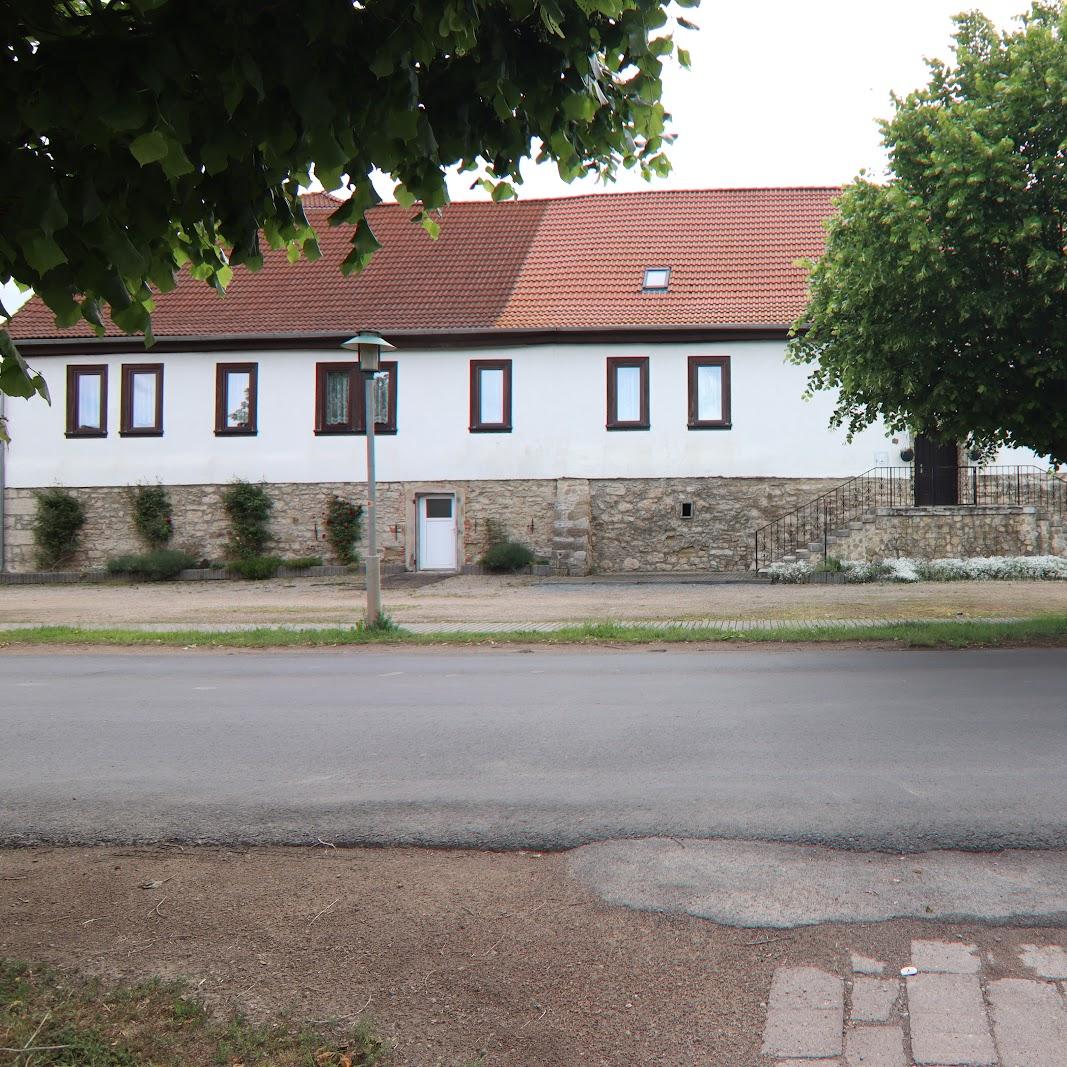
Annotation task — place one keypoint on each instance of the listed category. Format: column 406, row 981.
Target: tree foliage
column 940, row 303
column 141, row 136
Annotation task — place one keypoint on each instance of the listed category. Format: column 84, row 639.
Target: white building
column 603, row 375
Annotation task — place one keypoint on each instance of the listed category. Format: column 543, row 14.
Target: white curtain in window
column 628, row 394
column 492, row 395
column 238, row 390
column 89, row 398
column 709, row 394
column 381, row 398
column 337, row 413
column 144, row 401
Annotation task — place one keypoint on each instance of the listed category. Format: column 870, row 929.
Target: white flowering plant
column 976, row 569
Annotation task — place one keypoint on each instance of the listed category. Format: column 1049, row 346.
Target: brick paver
column 875, row 1046
column 805, row 1014
column 723, row 625
column 873, row 999
column 865, row 965
column 1030, row 1023
column 944, row 1016
column 1047, row 961
column 945, row 957
column 948, row 1021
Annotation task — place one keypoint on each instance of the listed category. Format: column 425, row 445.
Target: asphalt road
column 493, row 748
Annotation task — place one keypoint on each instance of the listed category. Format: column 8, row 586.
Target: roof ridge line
column 615, row 193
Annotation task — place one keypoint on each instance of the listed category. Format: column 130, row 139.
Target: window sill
column 86, row 433
column 489, row 429
column 236, row 433
column 628, row 426
column 140, row 433
column 711, row 426
column 379, row 431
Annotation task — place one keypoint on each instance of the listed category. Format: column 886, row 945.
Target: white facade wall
column 558, row 419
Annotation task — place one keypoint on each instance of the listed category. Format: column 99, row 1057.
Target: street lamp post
column 369, row 348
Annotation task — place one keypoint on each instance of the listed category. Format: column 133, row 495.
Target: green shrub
column 506, row 557
column 123, row 564
column 248, row 508
column 257, row 568
column 159, row 565
column 384, row 625
column 56, row 526
column 344, row 526
column 152, row 517
column 301, row 563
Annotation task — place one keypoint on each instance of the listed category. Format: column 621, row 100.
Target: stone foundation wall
column 525, row 509
column 952, row 532
column 637, row 523
column 578, row 525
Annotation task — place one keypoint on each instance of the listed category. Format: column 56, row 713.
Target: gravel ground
column 495, row 599
column 451, row 953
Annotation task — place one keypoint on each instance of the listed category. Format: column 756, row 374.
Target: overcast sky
column 785, row 92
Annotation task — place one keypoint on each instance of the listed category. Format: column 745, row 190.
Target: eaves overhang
column 415, row 339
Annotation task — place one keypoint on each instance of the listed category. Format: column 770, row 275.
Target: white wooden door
column 437, row 533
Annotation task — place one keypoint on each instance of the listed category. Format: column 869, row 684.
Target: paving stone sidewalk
column 942, row 1011
column 718, row 625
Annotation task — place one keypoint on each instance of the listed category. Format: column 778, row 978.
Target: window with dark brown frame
column 709, row 393
column 490, row 396
column 340, row 399
column 337, row 398
column 87, row 401
column 387, row 402
column 236, row 400
column 142, row 400
column 628, row 393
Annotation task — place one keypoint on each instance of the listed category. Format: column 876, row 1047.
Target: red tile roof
column 566, row 264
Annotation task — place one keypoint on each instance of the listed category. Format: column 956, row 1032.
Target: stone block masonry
column 526, row 510
column 577, row 524
column 638, row 524
column 607, row 525
column 950, row 533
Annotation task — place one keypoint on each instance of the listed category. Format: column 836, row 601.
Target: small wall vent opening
column 687, row 509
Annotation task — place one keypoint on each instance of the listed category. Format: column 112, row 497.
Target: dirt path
column 452, row 953
column 493, row 599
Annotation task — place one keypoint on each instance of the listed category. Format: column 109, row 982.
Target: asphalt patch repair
column 451, row 954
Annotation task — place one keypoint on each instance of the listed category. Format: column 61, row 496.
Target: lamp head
column 368, row 347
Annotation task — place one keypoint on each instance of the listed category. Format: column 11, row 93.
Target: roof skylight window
column 656, row 279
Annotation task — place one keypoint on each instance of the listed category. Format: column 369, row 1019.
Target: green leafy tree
column 940, row 303
column 142, row 136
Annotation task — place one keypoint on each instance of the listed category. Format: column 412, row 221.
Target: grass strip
column 966, row 633
column 50, row 1018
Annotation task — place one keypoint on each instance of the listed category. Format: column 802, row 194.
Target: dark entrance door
column 936, row 472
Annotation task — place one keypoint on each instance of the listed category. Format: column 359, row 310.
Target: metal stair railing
column 1020, row 484
column 812, row 523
